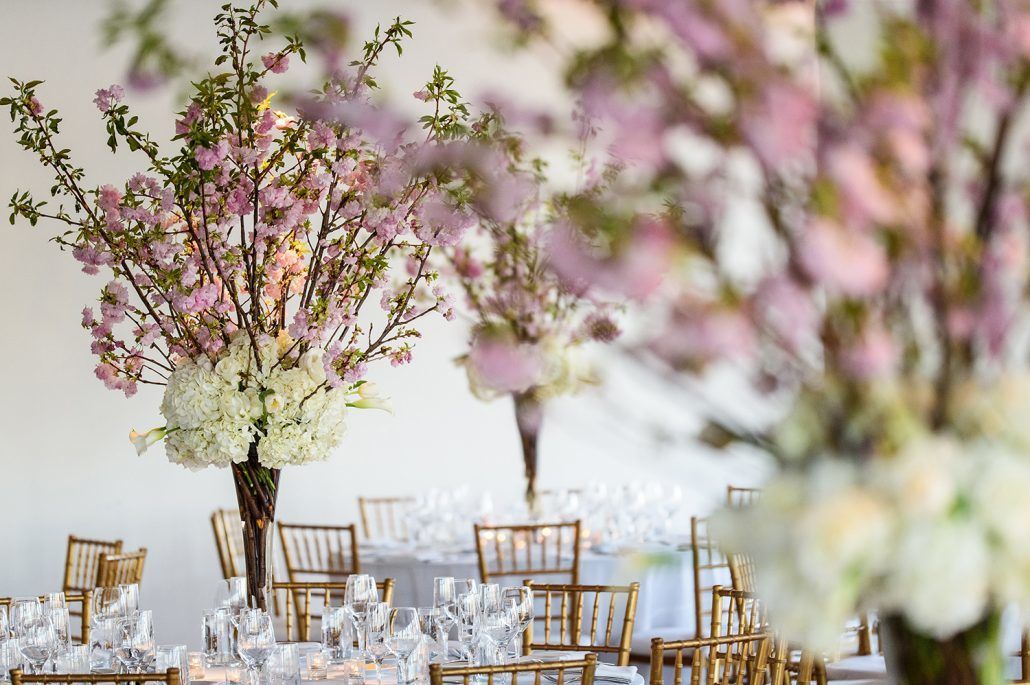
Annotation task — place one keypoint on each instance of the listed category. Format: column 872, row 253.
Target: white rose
column 235, row 405
column 312, row 362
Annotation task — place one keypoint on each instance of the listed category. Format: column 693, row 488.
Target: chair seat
column 869, row 667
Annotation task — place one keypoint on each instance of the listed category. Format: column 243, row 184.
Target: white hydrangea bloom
column 215, row 412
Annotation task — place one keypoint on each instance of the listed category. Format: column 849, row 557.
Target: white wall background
column 65, row 463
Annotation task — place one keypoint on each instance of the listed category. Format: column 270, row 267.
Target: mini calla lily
column 369, row 397
column 143, row 441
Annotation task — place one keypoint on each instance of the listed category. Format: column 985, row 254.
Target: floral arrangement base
column 971, row 657
column 257, row 489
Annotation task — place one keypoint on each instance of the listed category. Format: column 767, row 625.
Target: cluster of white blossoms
column 216, row 411
column 938, row 534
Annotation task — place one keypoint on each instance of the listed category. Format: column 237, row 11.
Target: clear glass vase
column 257, row 489
column 971, row 657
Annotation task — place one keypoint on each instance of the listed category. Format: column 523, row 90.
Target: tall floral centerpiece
column 844, row 191
column 251, row 265
column 529, row 325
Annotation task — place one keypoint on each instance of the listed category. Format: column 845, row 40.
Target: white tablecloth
column 665, row 605
column 337, row 675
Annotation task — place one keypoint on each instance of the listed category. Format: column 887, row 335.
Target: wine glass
column 523, row 599
column 23, row 610
column 432, row 621
column 377, row 619
column 5, row 625
column 232, row 594
column 498, row 627
column 135, row 640
column 467, row 609
column 130, row 598
column 255, row 640
column 108, row 603
column 489, row 598
column 61, row 619
column 403, row 636
column 359, row 594
column 103, row 634
column 37, row 641
column 444, row 598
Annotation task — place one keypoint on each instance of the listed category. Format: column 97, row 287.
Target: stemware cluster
column 35, row 634
column 488, row 620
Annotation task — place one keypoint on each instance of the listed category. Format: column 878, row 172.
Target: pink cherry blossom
column 107, row 98
column 846, row 262
column 276, row 62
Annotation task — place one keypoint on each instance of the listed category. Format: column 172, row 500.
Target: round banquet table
column 665, row 605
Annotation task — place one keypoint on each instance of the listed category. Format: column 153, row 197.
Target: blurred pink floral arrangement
column 839, row 191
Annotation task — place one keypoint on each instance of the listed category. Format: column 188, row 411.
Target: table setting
column 363, row 639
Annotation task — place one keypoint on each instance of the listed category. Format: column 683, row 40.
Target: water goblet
column 255, row 640
column 444, row 598
column 403, row 637
column 135, row 640
column 376, row 622
column 284, row 665
column 37, row 641
column 523, row 599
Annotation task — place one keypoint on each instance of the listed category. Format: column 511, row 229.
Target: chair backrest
column 742, row 572
column 169, row 677
column 582, row 671
column 741, row 497
column 561, row 610
column 736, row 612
column 228, row 531
column 550, row 550
column 787, row 666
column 307, row 601
column 84, row 600
column 121, row 569
column 82, row 561
column 727, row 660
column 383, row 518
column 326, row 552
column 711, row 568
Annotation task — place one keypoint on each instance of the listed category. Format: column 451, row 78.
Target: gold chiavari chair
column 121, row 569
column 84, row 601
column 322, row 551
column 582, row 671
column 727, row 659
column 229, row 539
column 169, row 677
column 789, row 667
column 736, row 612
column 538, row 549
column 742, row 572
column 303, row 600
column 563, row 619
column 83, row 560
column 711, row 568
column 737, row 497
column 382, row 518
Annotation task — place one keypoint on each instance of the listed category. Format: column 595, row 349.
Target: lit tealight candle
column 317, row 665
column 196, row 664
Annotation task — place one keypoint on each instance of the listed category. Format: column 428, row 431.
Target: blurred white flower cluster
column 282, row 402
column 938, row 533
